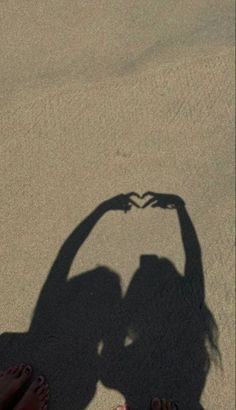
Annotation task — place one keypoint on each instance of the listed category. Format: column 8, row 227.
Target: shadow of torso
column 70, row 320
column 157, row 344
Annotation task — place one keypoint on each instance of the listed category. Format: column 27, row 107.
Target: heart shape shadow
column 141, row 201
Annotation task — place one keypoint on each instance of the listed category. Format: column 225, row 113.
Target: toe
column 14, row 369
column 169, row 405
column 44, row 398
column 9, row 370
column 164, row 404
column 20, row 368
column 36, row 394
column 37, row 384
column 26, row 372
column 42, row 391
column 45, row 391
column 156, row 404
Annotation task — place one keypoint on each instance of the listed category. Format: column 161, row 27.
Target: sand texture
column 100, row 98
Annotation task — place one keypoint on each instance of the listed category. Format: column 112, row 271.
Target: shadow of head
column 155, row 264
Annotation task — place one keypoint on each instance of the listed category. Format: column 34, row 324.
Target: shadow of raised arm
column 75, row 240
column 64, row 259
column 193, row 259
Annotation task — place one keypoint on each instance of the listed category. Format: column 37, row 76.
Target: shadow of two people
column 151, row 341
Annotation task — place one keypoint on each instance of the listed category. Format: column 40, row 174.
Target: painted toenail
column 28, row 370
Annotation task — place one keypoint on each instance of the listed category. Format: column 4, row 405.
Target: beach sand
column 97, row 99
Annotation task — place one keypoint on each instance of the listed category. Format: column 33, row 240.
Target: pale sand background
column 104, row 97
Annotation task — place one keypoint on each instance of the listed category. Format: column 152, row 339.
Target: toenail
column 28, row 370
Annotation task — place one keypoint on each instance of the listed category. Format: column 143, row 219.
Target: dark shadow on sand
column 160, row 338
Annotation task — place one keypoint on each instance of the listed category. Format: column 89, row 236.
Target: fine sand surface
column 100, row 98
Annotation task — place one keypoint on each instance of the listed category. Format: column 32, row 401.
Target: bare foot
column 36, row 397
column 125, row 407
column 11, row 381
column 162, row 404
